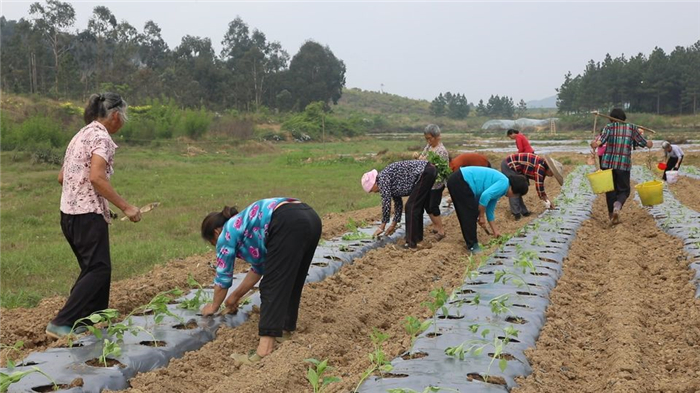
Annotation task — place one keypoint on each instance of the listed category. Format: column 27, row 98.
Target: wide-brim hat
column 368, row 180
column 557, row 169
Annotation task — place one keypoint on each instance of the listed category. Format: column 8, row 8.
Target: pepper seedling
column 8, row 379
column 11, row 349
column 315, row 375
column 414, row 327
column 438, row 303
column 377, row 357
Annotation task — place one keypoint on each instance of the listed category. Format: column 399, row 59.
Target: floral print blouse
column 78, row 196
column 243, row 236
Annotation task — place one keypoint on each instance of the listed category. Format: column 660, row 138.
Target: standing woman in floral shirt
column 432, row 137
column 85, row 196
column 278, row 238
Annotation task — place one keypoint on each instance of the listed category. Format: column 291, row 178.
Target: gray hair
column 100, row 106
column 432, row 129
column 665, row 144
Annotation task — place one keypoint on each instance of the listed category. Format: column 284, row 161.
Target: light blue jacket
column 487, row 184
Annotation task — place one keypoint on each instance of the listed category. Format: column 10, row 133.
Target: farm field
column 623, row 315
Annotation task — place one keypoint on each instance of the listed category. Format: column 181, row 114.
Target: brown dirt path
column 687, row 191
column 336, row 319
column 623, row 317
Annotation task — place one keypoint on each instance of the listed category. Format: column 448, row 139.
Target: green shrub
column 195, row 123
column 36, row 132
column 314, row 122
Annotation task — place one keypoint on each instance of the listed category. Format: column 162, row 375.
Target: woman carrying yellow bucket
column 620, row 137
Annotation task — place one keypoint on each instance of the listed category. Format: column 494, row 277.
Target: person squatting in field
column 475, row 191
column 674, row 156
column 432, row 137
column 521, row 141
column 620, row 137
column 85, row 195
column 278, row 238
column 412, row 178
column 535, row 168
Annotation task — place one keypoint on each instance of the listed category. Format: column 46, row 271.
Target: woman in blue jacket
column 278, row 238
column 475, row 191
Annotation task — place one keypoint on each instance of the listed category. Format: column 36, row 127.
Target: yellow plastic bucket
column 651, row 193
column 601, row 181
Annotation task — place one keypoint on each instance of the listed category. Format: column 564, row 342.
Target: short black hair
column 618, row 114
column 512, row 131
column 519, row 184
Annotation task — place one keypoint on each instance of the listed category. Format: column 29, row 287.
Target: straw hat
column 557, row 169
column 368, row 180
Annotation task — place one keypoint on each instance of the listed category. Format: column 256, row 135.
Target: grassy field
column 189, row 182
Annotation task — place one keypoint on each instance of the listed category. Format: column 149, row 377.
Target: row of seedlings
column 689, row 171
column 479, row 334
column 166, row 328
column 675, row 219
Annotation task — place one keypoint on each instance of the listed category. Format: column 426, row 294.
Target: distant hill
column 374, row 102
column 549, row 102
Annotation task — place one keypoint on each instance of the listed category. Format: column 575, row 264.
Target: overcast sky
column 417, row 50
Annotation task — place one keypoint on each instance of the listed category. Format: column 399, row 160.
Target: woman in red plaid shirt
column 620, row 138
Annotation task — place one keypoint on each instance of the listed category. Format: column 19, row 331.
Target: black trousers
column 433, row 206
column 517, row 204
column 670, row 164
column 294, row 232
column 416, row 204
column 466, row 207
column 88, row 236
column 621, row 181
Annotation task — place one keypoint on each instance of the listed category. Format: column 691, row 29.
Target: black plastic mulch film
column 66, row 364
column 677, row 220
column 545, row 242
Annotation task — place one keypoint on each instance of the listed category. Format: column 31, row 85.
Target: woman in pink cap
column 411, row 178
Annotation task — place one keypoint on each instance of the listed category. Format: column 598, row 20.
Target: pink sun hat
column 368, row 180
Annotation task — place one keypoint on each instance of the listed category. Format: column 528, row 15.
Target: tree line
column 660, row 83
column 456, row 106
column 43, row 56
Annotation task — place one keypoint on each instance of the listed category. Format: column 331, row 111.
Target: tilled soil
column 28, row 324
column 687, row 191
column 337, row 316
column 623, row 317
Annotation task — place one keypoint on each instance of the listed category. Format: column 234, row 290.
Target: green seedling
column 414, row 327
column 8, row 379
column 200, row 297
column 11, row 349
column 498, row 304
column 476, row 347
column 354, row 228
column 377, row 358
column 357, row 235
column 353, row 225
column 159, row 305
column 343, row 248
column 504, row 276
column 315, row 375
column 499, row 241
column 439, row 297
column 537, row 241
